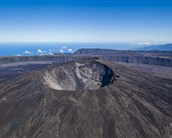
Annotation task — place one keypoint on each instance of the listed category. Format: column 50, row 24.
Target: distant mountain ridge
column 166, row 47
column 152, row 57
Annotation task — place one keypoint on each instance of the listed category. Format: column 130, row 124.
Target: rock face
column 134, row 104
column 47, row 58
column 160, row 58
column 79, row 76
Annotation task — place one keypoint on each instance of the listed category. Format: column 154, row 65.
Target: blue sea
column 30, row 49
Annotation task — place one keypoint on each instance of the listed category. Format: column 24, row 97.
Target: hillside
column 160, row 58
column 57, row 102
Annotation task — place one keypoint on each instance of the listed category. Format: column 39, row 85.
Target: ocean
column 30, row 49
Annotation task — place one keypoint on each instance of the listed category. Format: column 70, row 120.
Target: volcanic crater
column 85, row 98
column 79, row 75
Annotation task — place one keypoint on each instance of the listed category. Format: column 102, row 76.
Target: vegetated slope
column 165, row 47
column 132, row 105
column 161, row 58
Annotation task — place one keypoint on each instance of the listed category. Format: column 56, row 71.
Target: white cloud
column 61, row 51
column 41, row 51
column 18, row 55
column 64, row 47
column 27, row 52
column 70, row 50
column 149, row 43
column 49, row 53
column 145, row 43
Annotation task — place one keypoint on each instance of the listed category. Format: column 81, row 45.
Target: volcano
column 78, row 76
column 86, row 98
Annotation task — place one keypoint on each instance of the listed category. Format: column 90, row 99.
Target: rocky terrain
column 86, row 98
column 46, row 58
column 11, row 67
column 160, row 58
column 12, row 70
column 79, row 76
column 159, row 71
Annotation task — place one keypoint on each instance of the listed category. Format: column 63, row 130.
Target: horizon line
column 88, row 42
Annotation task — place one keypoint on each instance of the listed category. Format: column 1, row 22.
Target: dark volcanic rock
column 161, row 58
column 48, row 58
column 134, row 105
column 11, row 67
column 79, row 75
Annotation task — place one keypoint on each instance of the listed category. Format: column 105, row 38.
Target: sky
column 85, row 21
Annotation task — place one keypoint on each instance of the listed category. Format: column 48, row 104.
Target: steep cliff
column 161, row 58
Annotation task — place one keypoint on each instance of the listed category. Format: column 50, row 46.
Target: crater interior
column 86, row 75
